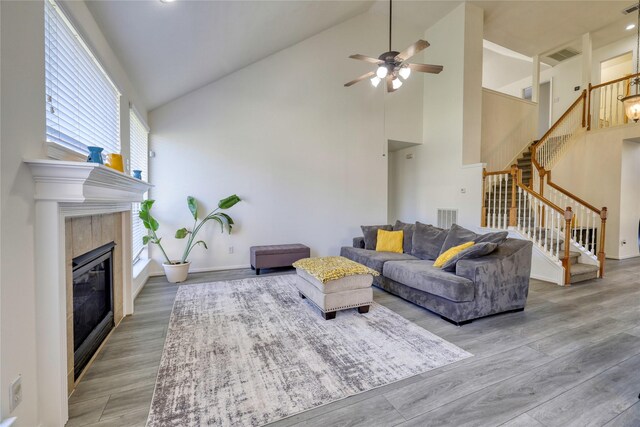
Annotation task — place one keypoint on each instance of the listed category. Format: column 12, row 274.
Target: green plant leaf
column 193, row 206
column 182, row 233
column 214, row 217
column 201, row 242
column 228, row 202
column 146, row 204
column 227, row 217
column 146, row 240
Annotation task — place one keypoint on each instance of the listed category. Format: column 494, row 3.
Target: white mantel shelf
column 83, row 182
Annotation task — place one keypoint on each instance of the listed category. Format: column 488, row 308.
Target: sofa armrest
column 358, row 242
column 502, row 278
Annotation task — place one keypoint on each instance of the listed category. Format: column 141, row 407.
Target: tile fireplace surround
column 68, row 192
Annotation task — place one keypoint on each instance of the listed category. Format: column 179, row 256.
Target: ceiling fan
column 393, row 65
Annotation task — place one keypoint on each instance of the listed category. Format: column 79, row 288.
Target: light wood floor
column 571, row 358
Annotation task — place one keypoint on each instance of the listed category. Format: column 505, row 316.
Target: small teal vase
column 137, row 174
column 95, row 155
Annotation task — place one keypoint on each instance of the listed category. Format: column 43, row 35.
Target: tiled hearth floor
column 571, row 358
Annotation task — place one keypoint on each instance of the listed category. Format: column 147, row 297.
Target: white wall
column 602, row 168
column 435, row 177
column 22, row 124
column 508, row 126
column 306, row 155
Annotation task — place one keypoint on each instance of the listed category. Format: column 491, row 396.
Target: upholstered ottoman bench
column 335, row 283
column 271, row 256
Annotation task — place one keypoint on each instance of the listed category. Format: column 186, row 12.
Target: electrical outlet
column 15, row 393
column 230, row 249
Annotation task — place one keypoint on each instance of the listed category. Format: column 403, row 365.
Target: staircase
column 526, row 219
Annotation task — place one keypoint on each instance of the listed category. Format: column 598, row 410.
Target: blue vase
column 95, row 155
column 137, row 174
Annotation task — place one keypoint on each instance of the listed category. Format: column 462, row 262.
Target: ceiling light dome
column 382, row 72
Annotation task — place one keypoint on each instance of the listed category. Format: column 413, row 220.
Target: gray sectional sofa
column 471, row 288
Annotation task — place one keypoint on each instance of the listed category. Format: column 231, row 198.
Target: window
column 83, row 104
column 139, row 139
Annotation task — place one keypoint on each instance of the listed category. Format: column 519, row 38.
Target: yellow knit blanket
column 330, row 268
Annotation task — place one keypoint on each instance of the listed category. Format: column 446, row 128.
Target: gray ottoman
column 340, row 294
column 271, row 256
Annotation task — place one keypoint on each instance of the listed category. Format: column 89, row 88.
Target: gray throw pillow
column 457, row 236
column 497, row 237
column 407, row 230
column 370, row 233
column 427, row 241
column 476, row 251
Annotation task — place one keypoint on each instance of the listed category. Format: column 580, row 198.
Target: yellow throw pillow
column 389, row 241
column 450, row 253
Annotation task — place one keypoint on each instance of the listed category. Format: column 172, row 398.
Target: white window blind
column 83, row 104
column 139, row 139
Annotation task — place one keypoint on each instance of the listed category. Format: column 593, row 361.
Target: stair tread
column 578, row 268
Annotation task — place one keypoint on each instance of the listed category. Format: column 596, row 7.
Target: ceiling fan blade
column 426, row 68
column 367, row 59
column 389, row 80
column 418, row 46
column 362, row 77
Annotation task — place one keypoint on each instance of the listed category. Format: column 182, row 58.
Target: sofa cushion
column 408, row 230
column 427, row 241
column 390, row 241
column 370, row 233
column 459, row 235
column 423, row 276
column 372, row 259
column 476, row 251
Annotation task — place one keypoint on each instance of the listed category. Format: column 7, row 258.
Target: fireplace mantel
column 69, row 189
column 83, row 182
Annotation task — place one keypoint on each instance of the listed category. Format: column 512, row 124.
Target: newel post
column 513, row 213
column 568, row 216
column 603, row 226
column 483, row 218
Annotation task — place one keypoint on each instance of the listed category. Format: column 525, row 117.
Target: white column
column 587, row 55
column 535, row 80
column 51, row 326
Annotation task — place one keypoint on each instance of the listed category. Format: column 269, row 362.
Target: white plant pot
column 176, row 273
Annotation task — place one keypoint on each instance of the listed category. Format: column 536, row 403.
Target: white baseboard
column 206, row 269
column 624, row 257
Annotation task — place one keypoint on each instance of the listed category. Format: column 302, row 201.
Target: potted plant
column 177, row 270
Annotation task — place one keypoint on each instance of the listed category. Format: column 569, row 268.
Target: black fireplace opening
column 92, row 303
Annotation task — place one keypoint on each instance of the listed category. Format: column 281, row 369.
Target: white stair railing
column 553, row 144
column 498, row 189
column 605, row 108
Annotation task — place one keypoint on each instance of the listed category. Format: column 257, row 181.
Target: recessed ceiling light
column 630, row 27
column 167, row 1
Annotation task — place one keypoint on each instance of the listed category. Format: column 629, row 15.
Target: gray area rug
column 249, row 352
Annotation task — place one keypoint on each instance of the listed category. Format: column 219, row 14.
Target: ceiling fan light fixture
column 396, row 83
column 382, row 72
column 405, row 72
column 375, row 81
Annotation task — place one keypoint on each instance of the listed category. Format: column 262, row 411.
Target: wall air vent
column 631, row 9
column 564, row 54
column 447, row 217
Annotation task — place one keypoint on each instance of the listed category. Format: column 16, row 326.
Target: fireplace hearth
column 93, row 317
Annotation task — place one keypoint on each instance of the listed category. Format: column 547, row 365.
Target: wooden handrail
column 542, row 199
column 570, row 195
column 621, row 79
column 504, row 172
column 583, row 95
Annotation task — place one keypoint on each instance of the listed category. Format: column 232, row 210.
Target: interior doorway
column 544, row 108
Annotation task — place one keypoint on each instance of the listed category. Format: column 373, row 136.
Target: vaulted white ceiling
column 170, row 49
